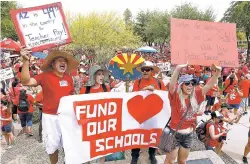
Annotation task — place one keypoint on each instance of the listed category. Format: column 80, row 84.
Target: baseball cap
column 216, row 114
column 185, row 78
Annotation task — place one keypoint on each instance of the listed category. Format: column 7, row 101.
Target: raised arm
column 212, row 81
column 174, row 78
column 26, row 79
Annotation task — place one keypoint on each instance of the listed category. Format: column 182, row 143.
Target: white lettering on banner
column 99, row 110
column 6, row 73
column 105, row 123
column 41, row 26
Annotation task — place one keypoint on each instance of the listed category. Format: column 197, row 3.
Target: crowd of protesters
column 226, row 91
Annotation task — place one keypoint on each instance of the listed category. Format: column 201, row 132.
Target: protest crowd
column 32, row 83
column 226, row 91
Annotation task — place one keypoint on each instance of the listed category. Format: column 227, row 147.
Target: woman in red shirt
column 214, row 131
column 26, row 117
column 96, row 85
column 6, row 120
column 234, row 98
column 185, row 98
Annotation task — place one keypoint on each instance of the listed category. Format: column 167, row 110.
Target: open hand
column 25, row 53
column 179, row 67
column 217, row 68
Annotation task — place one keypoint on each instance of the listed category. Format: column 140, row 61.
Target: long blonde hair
column 193, row 101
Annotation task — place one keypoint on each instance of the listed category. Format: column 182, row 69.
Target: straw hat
column 148, row 64
column 72, row 62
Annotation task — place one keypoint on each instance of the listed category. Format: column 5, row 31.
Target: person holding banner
column 147, row 82
column 56, row 83
column 184, row 101
column 95, row 85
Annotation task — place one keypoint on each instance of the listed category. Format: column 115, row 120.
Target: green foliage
column 189, row 11
column 142, row 20
column 7, row 26
column 158, row 27
column 154, row 26
column 128, row 18
column 239, row 13
column 241, row 35
column 102, row 33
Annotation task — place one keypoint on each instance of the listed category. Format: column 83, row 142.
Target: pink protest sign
column 203, row 43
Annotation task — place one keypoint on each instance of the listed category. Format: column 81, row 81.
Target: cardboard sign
column 95, row 125
column 203, row 43
column 5, row 55
column 164, row 67
column 6, row 73
column 41, row 27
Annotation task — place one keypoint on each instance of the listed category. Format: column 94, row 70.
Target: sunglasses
column 187, row 83
column 146, row 69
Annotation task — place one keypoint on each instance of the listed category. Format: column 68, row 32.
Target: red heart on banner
column 143, row 109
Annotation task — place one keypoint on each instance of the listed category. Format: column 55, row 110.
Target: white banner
column 95, row 125
column 6, row 73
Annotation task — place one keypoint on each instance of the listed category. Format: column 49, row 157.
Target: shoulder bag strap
column 182, row 119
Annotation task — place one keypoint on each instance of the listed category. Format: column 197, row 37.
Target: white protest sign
column 164, row 66
column 6, row 73
column 41, row 27
column 94, row 125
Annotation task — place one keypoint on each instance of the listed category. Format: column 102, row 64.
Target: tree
column 7, row 26
column 102, row 32
column 238, row 13
column 158, row 27
column 142, row 20
column 128, row 18
column 189, row 11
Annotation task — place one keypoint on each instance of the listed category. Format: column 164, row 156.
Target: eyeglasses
column 146, row 69
column 187, row 83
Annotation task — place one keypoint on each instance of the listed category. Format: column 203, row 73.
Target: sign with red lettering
column 96, row 125
column 203, row 43
column 41, row 27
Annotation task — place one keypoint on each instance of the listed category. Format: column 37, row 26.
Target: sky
column 119, row 6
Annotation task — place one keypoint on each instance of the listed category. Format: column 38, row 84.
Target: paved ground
column 29, row 151
column 237, row 139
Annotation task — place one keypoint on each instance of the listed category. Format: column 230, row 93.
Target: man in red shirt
column 244, row 85
column 56, row 83
column 147, row 82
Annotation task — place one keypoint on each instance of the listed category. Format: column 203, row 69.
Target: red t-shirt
column 5, row 114
column 216, row 106
column 177, row 111
column 191, row 71
column 39, row 97
column 234, row 97
column 212, row 142
column 31, row 101
column 100, row 89
column 14, row 94
column 54, row 88
column 245, row 86
column 144, row 83
column 228, row 87
column 213, row 91
column 198, row 70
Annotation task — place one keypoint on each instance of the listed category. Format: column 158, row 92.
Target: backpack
column 158, row 81
column 89, row 87
column 23, row 104
column 201, row 132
